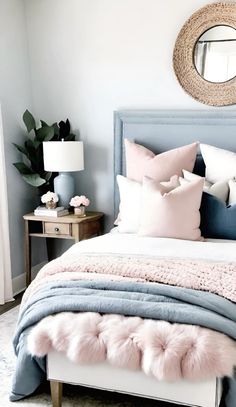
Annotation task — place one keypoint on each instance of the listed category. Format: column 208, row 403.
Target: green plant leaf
column 32, row 153
column 64, row 128
column 39, row 168
column 20, row 148
column 47, row 176
column 36, row 143
column 33, row 171
column 34, row 179
column 29, row 121
column 23, row 168
column 71, row 137
column 56, row 131
column 29, row 145
column 45, row 133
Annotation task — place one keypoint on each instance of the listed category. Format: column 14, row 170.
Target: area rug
column 73, row 396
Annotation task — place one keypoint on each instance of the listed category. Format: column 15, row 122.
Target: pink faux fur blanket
column 215, row 277
column 166, row 351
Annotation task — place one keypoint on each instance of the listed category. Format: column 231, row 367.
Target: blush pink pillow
column 174, row 213
column 140, row 161
column 130, row 201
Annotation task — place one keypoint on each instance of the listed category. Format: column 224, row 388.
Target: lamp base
column 64, row 186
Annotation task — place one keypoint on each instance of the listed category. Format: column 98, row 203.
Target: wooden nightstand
column 64, row 227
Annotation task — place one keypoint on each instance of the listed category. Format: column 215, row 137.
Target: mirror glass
column 215, row 54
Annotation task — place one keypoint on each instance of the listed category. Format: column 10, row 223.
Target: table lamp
column 63, row 157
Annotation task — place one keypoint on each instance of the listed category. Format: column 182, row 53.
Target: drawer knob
column 56, row 229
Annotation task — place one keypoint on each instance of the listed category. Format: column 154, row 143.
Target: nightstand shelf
column 64, row 227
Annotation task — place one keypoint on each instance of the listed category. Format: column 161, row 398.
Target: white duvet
column 118, row 243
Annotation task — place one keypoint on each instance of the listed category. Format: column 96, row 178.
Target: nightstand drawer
column 91, row 228
column 53, row 228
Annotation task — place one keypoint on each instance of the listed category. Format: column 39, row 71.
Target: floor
column 9, row 305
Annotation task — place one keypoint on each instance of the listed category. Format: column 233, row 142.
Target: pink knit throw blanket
column 214, row 277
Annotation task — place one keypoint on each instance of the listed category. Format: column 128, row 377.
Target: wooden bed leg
column 56, row 393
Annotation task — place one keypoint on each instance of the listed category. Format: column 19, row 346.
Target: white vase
column 80, row 211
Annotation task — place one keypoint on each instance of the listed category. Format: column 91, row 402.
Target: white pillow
column 130, row 199
column 130, row 202
column 190, row 176
column 220, row 189
column 220, row 164
column 232, row 192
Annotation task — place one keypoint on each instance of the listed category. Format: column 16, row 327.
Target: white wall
column 15, row 97
column 91, row 57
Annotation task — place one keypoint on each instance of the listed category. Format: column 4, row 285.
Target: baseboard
column 18, row 282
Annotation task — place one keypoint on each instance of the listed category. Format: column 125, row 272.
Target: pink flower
column 79, row 200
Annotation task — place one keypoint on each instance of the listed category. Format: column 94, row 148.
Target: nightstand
column 64, row 227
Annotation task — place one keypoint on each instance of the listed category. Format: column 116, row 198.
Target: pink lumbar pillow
column 142, row 162
column 174, row 213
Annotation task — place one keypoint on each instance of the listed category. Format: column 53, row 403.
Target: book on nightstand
column 55, row 213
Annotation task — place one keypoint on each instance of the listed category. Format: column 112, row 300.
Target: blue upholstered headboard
column 161, row 130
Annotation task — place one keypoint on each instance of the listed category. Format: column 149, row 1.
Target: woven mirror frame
column 210, row 93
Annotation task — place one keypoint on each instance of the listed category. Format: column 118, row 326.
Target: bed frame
column 160, row 131
column 105, row 377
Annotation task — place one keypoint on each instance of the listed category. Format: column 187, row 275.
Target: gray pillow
column 217, row 220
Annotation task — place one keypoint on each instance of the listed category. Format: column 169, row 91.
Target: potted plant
column 31, row 167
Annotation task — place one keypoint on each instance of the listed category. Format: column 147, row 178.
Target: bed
column 159, row 131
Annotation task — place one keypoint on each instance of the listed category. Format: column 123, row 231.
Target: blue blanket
column 146, row 300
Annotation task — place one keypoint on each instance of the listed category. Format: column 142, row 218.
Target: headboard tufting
column 162, row 130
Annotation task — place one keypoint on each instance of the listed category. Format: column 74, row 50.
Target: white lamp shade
column 63, row 156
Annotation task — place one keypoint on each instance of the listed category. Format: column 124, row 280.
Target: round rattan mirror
column 207, row 25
